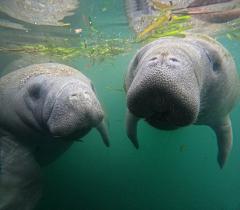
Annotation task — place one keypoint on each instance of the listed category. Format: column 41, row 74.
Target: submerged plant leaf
column 156, row 23
column 165, row 26
column 233, row 30
column 155, row 19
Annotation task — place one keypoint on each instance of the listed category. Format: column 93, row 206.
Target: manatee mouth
column 171, row 116
column 161, row 120
column 163, row 110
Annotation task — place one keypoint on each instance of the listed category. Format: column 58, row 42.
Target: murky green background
column 171, row 171
column 174, row 170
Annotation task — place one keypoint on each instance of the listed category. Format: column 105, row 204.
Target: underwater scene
column 119, row 105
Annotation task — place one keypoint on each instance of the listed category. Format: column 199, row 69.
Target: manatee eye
column 216, row 66
column 34, row 91
column 214, row 61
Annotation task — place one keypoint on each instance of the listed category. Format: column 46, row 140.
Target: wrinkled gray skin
column 43, row 109
column 175, row 82
column 43, row 12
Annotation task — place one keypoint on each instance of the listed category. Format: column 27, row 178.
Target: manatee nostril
column 174, row 60
column 216, row 66
column 73, row 96
column 153, row 59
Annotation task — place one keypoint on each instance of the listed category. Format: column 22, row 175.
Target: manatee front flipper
column 131, row 126
column 20, row 185
column 223, row 132
column 102, row 129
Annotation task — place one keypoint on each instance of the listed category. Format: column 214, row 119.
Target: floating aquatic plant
column 97, row 50
column 168, row 20
column 234, row 35
column 166, row 25
column 163, row 23
column 156, row 23
column 233, row 30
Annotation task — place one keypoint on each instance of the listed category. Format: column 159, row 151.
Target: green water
column 174, row 170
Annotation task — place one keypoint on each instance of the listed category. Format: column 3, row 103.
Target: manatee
column 43, row 109
column 176, row 82
column 42, row 12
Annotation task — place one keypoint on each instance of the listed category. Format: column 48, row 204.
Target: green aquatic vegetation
column 108, row 48
column 96, row 50
column 234, row 35
column 175, row 26
column 233, row 30
column 156, row 23
column 160, row 21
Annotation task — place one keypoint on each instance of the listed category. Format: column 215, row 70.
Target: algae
column 94, row 50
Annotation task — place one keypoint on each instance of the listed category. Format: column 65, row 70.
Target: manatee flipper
column 131, row 126
column 102, row 129
column 223, row 132
column 20, row 182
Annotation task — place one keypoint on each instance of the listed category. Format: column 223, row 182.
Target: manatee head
column 163, row 85
column 165, row 90
column 63, row 107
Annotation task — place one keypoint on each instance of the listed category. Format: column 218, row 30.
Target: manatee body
column 43, row 109
column 42, row 12
column 175, row 82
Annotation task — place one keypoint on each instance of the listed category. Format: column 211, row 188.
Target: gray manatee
column 43, row 109
column 175, row 82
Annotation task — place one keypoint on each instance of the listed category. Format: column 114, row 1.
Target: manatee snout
column 161, row 106
column 165, row 90
column 75, row 111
